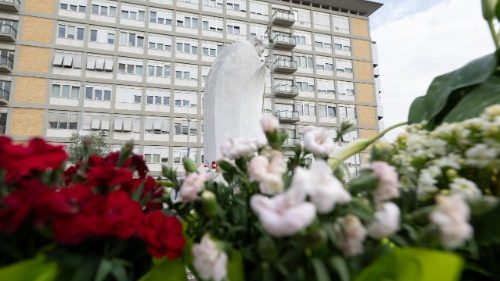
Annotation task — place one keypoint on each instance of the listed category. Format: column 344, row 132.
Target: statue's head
column 257, row 43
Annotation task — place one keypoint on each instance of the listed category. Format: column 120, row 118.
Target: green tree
column 91, row 144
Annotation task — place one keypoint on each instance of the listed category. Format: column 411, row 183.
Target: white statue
column 233, row 96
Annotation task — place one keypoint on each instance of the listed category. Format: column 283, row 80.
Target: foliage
column 91, row 144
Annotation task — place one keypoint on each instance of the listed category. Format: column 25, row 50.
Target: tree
column 91, row 144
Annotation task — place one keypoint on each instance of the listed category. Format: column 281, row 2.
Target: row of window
column 344, row 112
column 138, row 15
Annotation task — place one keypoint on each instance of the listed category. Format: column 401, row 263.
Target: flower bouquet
column 100, row 219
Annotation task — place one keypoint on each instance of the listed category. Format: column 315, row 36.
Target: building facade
column 135, row 69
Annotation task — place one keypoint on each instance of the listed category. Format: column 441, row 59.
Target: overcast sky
column 420, row 39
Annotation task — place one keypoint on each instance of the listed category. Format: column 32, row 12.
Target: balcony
column 283, row 18
column 6, row 64
column 4, row 96
column 7, row 32
column 285, row 66
column 286, row 116
column 291, row 142
column 286, row 91
column 284, row 42
column 10, row 5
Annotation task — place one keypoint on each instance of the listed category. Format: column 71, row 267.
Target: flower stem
column 494, row 34
column 357, row 146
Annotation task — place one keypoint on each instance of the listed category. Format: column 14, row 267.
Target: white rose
column 465, row 188
column 192, row 186
column 268, row 173
column 209, row 260
column 386, row 221
column 323, row 188
column 269, row 123
column 235, row 148
column 284, row 214
column 387, row 187
column 350, row 235
column 451, row 217
column 317, row 141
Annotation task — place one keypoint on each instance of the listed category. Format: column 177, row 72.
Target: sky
column 420, row 39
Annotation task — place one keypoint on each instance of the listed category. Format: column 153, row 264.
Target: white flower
column 386, row 221
column 269, row 123
column 465, row 188
column 323, row 188
column 192, row 186
column 350, row 235
column 451, row 217
column 284, row 214
column 317, row 141
column 235, row 148
column 449, row 161
column 426, row 184
column 387, row 187
column 268, row 173
column 480, row 155
column 492, row 112
column 209, row 260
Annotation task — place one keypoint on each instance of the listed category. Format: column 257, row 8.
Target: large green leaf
column 417, row 110
column 35, row 269
column 166, row 270
column 412, row 264
column 474, row 103
column 445, row 86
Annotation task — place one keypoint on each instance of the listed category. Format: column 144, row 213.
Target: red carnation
column 38, row 155
column 162, row 234
column 103, row 172
column 121, row 216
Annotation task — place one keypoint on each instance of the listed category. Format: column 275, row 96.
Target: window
column 132, row 69
column 68, row 31
column 340, row 24
column 129, row 13
column 300, row 39
column 259, row 8
column 186, row 72
column 100, row 64
column 131, row 39
column 68, row 5
column 324, row 63
column 67, row 60
column 322, row 41
column 98, row 122
column 233, row 29
column 65, row 91
column 104, row 10
column 187, row 22
column 185, row 127
column 154, row 155
column 125, row 95
column 63, row 120
column 157, row 126
column 236, row 5
column 158, row 70
column 187, row 47
column 347, row 112
column 345, row 90
column 104, row 36
column 304, row 85
column 127, row 124
column 302, row 16
column 321, row 20
column 326, row 87
column 160, row 17
column 213, row 3
column 306, row 109
column 98, row 93
column 181, row 153
column 212, row 24
column 327, row 111
column 342, row 45
column 212, row 49
column 344, row 66
column 158, row 99
column 304, row 61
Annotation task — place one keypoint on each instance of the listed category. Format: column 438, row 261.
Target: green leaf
column 412, row 264
column 235, row 270
column 35, row 269
column 497, row 10
column 320, row 270
column 417, row 111
column 118, row 271
column 189, row 165
column 166, row 270
column 103, row 270
column 445, row 86
column 341, row 267
column 488, row 9
column 474, row 103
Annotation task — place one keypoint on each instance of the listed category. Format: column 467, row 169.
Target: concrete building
column 135, row 69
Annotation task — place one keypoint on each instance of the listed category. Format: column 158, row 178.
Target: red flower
column 151, row 190
column 139, row 164
column 38, row 155
column 103, row 172
column 121, row 216
column 162, row 234
column 18, row 205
